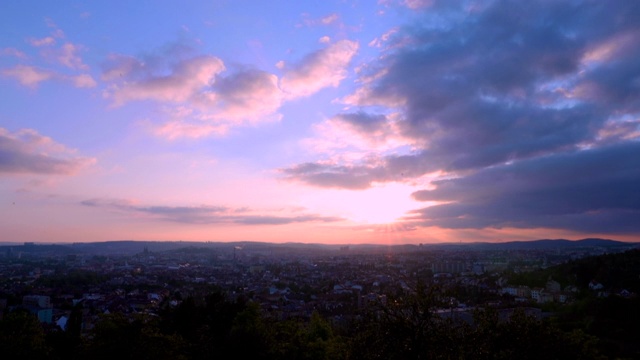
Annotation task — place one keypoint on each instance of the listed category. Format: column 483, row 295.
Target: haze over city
column 385, row 122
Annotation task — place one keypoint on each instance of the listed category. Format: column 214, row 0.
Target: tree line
column 216, row 327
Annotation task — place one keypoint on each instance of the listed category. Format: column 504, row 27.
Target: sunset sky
column 396, row 121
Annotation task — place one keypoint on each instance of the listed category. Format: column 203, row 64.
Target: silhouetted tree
column 116, row 337
column 22, row 337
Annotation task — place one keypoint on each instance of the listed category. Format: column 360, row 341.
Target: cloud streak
column 320, row 69
column 207, row 214
column 32, row 76
column 66, row 55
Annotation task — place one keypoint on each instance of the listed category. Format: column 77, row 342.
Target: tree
column 116, row 337
column 22, row 337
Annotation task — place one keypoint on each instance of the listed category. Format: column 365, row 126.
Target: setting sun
column 326, row 123
column 381, row 204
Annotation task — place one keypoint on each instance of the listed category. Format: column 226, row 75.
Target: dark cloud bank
column 531, row 109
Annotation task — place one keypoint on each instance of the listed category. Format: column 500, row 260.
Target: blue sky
column 338, row 121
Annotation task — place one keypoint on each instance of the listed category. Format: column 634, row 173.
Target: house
column 40, row 306
column 535, row 293
column 594, row 285
column 511, row 290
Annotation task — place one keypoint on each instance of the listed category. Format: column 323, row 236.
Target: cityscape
column 338, row 179
column 85, row 283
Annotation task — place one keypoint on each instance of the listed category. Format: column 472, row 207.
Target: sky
column 388, row 122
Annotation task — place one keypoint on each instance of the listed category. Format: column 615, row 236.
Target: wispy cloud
column 27, row 152
column 13, row 52
column 29, row 76
column 134, row 81
column 67, row 55
column 357, row 132
column 381, row 42
column 46, row 41
column 318, row 70
column 245, row 95
column 83, row 81
column 322, row 21
column 181, row 128
column 206, row 214
column 418, row 4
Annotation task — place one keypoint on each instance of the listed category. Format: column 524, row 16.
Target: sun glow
column 381, row 204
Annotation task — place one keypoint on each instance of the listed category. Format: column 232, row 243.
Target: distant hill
column 546, row 244
column 543, row 244
column 131, row 247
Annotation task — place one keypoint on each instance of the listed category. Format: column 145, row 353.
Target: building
column 453, row 267
column 40, row 306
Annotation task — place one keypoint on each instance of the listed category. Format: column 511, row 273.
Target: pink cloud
column 28, row 75
column 186, row 79
column 120, row 67
column 197, row 97
column 383, row 39
column 46, row 41
column 323, row 68
column 31, row 76
column 617, row 130
column 366, row 96
column 56, row 32
column 417, row 4
column 28, row 152
column 247, row 95
column 175, row 129
column 67, row 56
column 83, row 81
column 617, row 45
column 209, row 214
column 13, row 52
column 361, row 133
column 201, row 99
column 329, row 19
column 323, row 21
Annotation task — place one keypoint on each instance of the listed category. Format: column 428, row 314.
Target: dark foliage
column 409, row 328
column 409, row 325
column 22, row 337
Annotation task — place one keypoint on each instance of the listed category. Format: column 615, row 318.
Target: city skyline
column 384, row 122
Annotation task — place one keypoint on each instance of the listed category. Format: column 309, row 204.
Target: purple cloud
column 320, row 69
column 585, row 190
column 486, row 94
column 28, row 152
column 206, row 214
